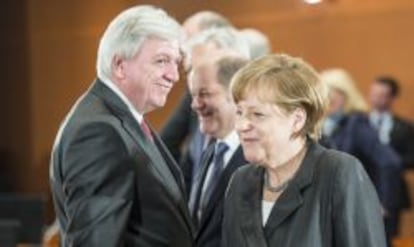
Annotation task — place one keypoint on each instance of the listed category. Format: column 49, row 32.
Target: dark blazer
column 209, row 227
column 402, row 140
column 355, row 135
column 330, row 202
column 180, row 126
column 111, row 186
column 190, row 163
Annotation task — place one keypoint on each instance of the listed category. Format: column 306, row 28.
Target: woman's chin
column 253, row 159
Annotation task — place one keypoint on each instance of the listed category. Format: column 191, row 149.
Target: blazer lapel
column 156, row 162
column 236, row 160
column 292, row 198
column 175, row 170
column 251, row 210
column 196, row 191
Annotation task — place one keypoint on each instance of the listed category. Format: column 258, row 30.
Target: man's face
column 212, row 102
column 380, row 97
column 147, row 78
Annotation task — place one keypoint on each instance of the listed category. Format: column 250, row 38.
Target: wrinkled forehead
column 162, row 48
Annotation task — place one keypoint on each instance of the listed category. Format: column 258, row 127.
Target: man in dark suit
column 183, row 124
column 113, row 181
column 216, row 111
column 395, row 132
column 200, row 47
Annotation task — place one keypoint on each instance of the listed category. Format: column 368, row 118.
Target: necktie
column 146, row 130
column 218, row 163
column 380, row 121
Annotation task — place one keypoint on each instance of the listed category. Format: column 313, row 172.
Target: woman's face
column 337, row 100
column 265, row 130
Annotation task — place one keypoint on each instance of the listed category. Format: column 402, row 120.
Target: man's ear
column 118, row 67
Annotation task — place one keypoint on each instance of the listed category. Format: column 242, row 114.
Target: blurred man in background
column 395, row 132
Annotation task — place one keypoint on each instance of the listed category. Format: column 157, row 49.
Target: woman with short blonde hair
column 295, row 192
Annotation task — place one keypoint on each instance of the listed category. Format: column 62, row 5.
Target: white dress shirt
column 383, row 123
column 233, row 142
column 266, row 210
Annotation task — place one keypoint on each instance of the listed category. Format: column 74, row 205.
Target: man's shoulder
column 89, row 113
column 402, row 122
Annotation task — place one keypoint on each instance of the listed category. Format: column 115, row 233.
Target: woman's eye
column 204, row 94
column 258, row 114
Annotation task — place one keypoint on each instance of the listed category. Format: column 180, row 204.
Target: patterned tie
column 218, row 164
column 146, row 130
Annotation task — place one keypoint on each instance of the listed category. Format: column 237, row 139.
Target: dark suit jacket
column 180, row 127
column 190, row 163
column 111, row 186
column 354, row 135
column 330, row 202
column 209, row 227
column 402, row 140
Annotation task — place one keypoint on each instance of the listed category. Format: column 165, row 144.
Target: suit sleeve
column 356, row 208
column 385, row 165
column 404, row 143
column 98, row 186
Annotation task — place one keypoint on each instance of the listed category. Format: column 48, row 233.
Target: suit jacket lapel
column 178, row 178
column 251, row 210
column 156, row 162
column 196, row 191
column 175, row 170
column 292, row 198
column 236, row 160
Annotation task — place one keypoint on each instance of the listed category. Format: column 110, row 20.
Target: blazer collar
column 251, row 209
column 288, row 202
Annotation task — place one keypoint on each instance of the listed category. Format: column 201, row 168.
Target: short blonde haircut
column 342, row 81
column 288, row 82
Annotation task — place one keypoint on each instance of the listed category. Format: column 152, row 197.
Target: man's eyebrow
column 164, row 54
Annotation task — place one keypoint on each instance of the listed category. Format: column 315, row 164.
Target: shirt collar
column 385, row 115
column 232, row 140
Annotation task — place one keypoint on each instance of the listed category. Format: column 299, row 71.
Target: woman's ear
column 299, row 119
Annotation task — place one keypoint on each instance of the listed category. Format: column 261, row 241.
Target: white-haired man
column 113, row 182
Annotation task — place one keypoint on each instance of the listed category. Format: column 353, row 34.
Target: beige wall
column 367, row 38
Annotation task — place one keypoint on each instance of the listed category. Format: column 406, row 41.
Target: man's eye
column 162, row 61
column 239, row 113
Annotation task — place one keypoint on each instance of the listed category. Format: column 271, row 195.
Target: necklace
column 284, row 185
column 274, row 189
